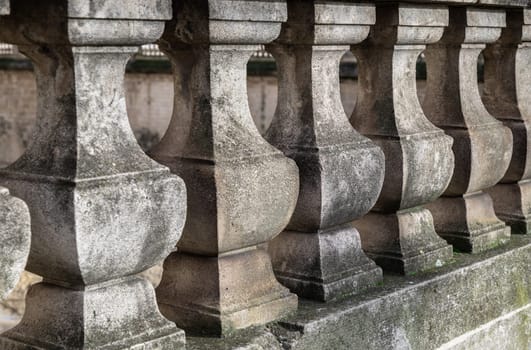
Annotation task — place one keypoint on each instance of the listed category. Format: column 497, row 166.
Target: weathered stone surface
column 482, row 145
column 319, row 256
column 478, row 299
column 421, row 312
column 62, row 318
column 506, row 96
column 15, row 233
column 15, row 237
column 101, row 209
column 4, row 7
column 509, row 332
column 499, row 3
column 399, row 233
column 242, row 191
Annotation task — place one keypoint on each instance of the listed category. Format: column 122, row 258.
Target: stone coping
column 424, row 311
column 499, row 3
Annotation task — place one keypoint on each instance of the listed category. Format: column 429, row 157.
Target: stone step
column 478, row 297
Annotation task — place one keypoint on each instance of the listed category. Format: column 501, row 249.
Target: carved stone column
column 101, row 210
column 319, row 255
column 507, row 96
column 482, row 145
column 242, row 191
column 15, row 233
column 399, row 233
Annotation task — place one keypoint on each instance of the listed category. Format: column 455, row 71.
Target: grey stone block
column 422, row 312
column 62, row 318
column 481, row 299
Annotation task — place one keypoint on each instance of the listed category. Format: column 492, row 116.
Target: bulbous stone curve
column 398, row 233
column 242, row 190
column 483, row 146
column 15, row 238
column 507, row 81
column 319, row 255
column 101, row 209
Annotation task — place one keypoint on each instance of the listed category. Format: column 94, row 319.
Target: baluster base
column 217, row 295
column 115, row 316
column 512, row 204
column 323, row 265
column 404, row 242
column 469, row 222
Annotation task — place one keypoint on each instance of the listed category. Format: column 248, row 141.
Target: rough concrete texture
column 487, row 294
column 482, row 145
column 418, row 155
column 242, row 191
column 506, row 96
column 15, row 237
column 319, row 256
column 509, row 332
column 101, row 209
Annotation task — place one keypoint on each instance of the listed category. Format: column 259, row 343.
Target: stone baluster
column 399, row 232
column 242, row 191
column 465, row 216
column 102, row 211
column 507, row 96
column 319, row 255
column 15, row 234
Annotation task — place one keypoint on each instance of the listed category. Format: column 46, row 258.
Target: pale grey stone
column 242, row 191
column 399, row 233
column 421, row 312
column 511, row 331
column 4, row 7
column 319, row 256
column 506, row 96
column 101, row 210
column 15, row 237
column 478, row 300
column 482, row 145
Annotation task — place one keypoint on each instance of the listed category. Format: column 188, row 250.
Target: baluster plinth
column 465, row 215
column 102, row 211
column 242, row 191
column 319, row 255
column 399, row 233
column 507, row 96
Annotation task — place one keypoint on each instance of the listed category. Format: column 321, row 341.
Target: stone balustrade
column 250, row 226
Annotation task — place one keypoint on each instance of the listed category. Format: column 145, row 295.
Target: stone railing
column 315, row 209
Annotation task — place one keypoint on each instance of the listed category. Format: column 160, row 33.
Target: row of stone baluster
column 253, row 210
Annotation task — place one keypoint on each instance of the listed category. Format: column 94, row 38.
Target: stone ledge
column 498, row 3
column 423, row 311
